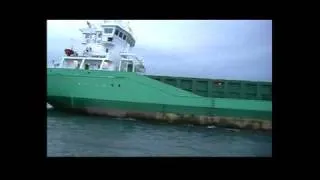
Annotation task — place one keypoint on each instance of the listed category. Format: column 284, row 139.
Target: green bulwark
column 221, row 88
column 87, row 90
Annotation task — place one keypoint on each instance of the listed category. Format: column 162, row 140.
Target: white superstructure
column 106, row 46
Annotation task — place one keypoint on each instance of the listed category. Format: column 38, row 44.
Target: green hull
column 126, row 94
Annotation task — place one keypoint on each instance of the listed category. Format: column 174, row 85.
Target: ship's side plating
column 123, row 94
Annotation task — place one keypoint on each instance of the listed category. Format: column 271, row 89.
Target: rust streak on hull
column 228, row 122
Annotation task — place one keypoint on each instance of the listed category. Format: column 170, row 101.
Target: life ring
column 69, row 52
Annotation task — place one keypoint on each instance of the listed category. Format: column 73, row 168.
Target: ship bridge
column 105, row 45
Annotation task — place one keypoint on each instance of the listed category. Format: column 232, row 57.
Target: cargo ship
column 105, row 78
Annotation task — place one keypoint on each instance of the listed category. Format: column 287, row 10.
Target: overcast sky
column 227, row 49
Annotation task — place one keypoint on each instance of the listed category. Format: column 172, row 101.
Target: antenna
column 88, row 23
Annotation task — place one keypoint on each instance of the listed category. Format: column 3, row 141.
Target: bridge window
column 117, row 32
column 99, row 34
column 121, row 34
column 129, row 40
column 124, row 37
column 108, row 30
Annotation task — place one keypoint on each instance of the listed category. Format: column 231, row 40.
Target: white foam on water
column 233, row 130
column 49, row 106
column 211, row 127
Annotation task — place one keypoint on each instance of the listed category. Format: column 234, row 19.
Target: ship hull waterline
column 164, row 117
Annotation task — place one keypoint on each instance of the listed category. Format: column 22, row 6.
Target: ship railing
column 136, row 61
column 127, row 53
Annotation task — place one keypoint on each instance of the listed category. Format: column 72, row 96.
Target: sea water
column 77, row 135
